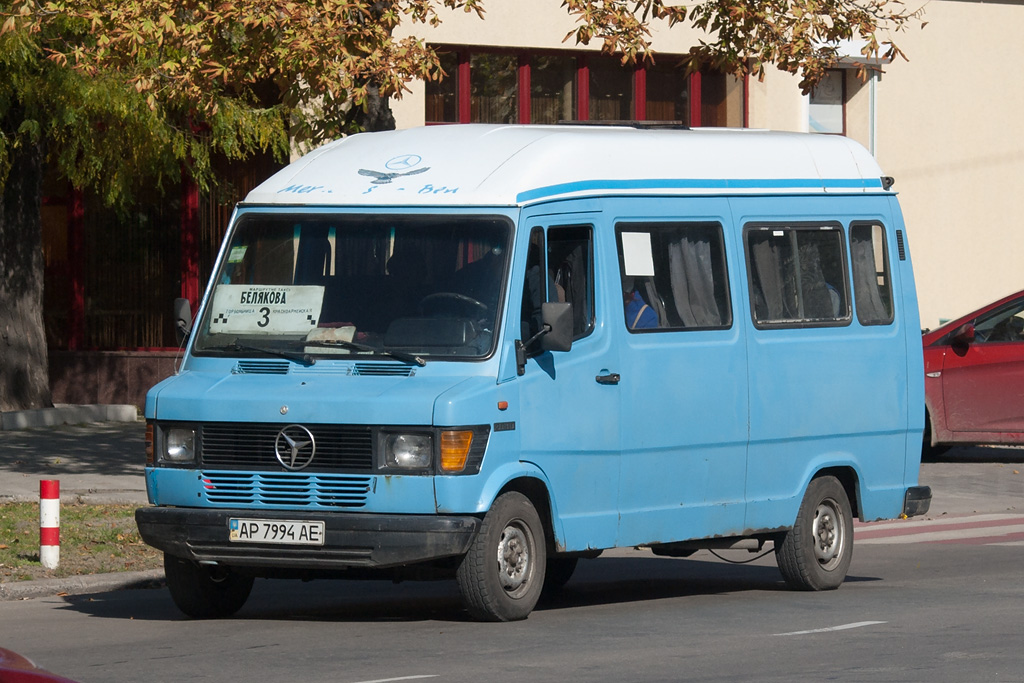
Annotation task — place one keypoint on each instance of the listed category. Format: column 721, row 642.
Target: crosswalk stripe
column 976, row 530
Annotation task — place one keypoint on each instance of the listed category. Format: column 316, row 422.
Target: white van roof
column 515, row 165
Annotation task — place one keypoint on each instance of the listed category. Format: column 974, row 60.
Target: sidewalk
column 103, row 462
column 99, row 462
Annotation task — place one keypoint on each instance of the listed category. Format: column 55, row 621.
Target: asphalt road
column 908, row 612
column 936, row 599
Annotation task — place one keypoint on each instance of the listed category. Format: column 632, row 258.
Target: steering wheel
column 452, row 302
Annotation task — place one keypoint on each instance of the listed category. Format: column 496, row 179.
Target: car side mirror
column 182, row 319
column 962, row 338
column 556, row 318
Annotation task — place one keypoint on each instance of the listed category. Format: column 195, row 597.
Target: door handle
column 611, row 378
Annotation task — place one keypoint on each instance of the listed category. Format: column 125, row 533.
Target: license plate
column 281, row 531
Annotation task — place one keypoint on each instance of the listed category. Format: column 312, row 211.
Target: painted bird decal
column 386, row 178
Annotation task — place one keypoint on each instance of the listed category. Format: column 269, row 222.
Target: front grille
column 284, row 490
column 246, row 446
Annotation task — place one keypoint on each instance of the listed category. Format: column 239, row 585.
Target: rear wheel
column 205, row 592
column 929, row 451
column 816, row 553
column 502, row 575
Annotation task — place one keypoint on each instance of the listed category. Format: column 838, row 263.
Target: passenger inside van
column 639, row 315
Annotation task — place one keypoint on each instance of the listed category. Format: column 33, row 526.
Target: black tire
column 205, row 592
column 558, row 572
column 502, row 575
column 816, row 553
column 928, row 451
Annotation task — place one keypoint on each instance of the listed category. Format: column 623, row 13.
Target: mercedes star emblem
column 295, row 447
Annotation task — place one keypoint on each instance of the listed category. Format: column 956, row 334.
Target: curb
column 67, row 414
column 85, row 497
column 80, row 585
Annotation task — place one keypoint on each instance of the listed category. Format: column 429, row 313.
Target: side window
column 535, row 287
column 872, row 282
column 570, row 262
column 1003, row 325
column 797, row 275
column 673, row 276
column 562, row 272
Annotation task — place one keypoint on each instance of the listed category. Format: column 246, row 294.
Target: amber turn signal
column 455, row 450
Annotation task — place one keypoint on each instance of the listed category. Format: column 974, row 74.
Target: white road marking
column 400, row 678
column 858, row 624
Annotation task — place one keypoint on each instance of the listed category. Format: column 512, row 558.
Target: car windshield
column 308, row 286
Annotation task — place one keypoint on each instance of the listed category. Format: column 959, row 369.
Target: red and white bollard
column 49, row 523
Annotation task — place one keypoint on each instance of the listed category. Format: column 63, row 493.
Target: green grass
column 94, row 539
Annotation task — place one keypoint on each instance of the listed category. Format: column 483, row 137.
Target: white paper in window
column 637, row 256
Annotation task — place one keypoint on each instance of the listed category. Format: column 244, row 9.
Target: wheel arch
column 850, row 481
column 536, row 490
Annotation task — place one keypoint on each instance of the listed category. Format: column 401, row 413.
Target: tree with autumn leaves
column 102, row 94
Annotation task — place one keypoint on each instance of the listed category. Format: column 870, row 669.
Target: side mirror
column 962, row 338
column 555, row 332
column 557, row 319
column 182, row 319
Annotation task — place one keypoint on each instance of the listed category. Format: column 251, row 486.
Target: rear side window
column 797, row 275
column 872, row 282
column 673, row 276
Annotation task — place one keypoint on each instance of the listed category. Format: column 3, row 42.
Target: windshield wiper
column 300, row 358
column 354, row 346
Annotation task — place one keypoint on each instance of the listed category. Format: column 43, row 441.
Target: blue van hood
column 309, row 398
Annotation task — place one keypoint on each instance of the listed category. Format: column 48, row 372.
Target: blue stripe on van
column 702, row 184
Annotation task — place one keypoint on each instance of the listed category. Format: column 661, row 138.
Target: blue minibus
column 485, row 352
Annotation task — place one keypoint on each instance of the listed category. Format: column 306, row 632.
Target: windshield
column 405, row 287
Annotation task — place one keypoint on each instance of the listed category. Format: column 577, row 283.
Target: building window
column 610, row 89
column 666, row 93
column 827, row 112
column 505, row 86
column 552, row 88
column 443, row 95
column 494, row 88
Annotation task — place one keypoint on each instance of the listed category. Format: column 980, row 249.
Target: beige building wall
column 951, row 132
column 947, row 125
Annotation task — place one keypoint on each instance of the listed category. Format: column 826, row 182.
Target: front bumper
column 917, row 500
column 350, row 539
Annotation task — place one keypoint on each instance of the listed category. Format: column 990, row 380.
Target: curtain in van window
column 773, row 294
column 692, row 281
column 874, row 299
column 816, row 298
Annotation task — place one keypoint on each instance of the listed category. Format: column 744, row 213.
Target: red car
column 974, row 377
column 17, row 669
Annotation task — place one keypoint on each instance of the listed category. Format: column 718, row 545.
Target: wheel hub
column 513, row 558
column 827, row 534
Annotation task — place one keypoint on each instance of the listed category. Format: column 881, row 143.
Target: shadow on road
column 604, row 581
column 977, row 454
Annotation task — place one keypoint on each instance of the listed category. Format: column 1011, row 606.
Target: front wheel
column 816, row 553
column 205, row 592
column 502, row 575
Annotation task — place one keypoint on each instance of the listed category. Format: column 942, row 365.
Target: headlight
column 408, row 451
column 179, row 445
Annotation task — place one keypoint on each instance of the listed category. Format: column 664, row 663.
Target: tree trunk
column 377, row 115
column 24, row 375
